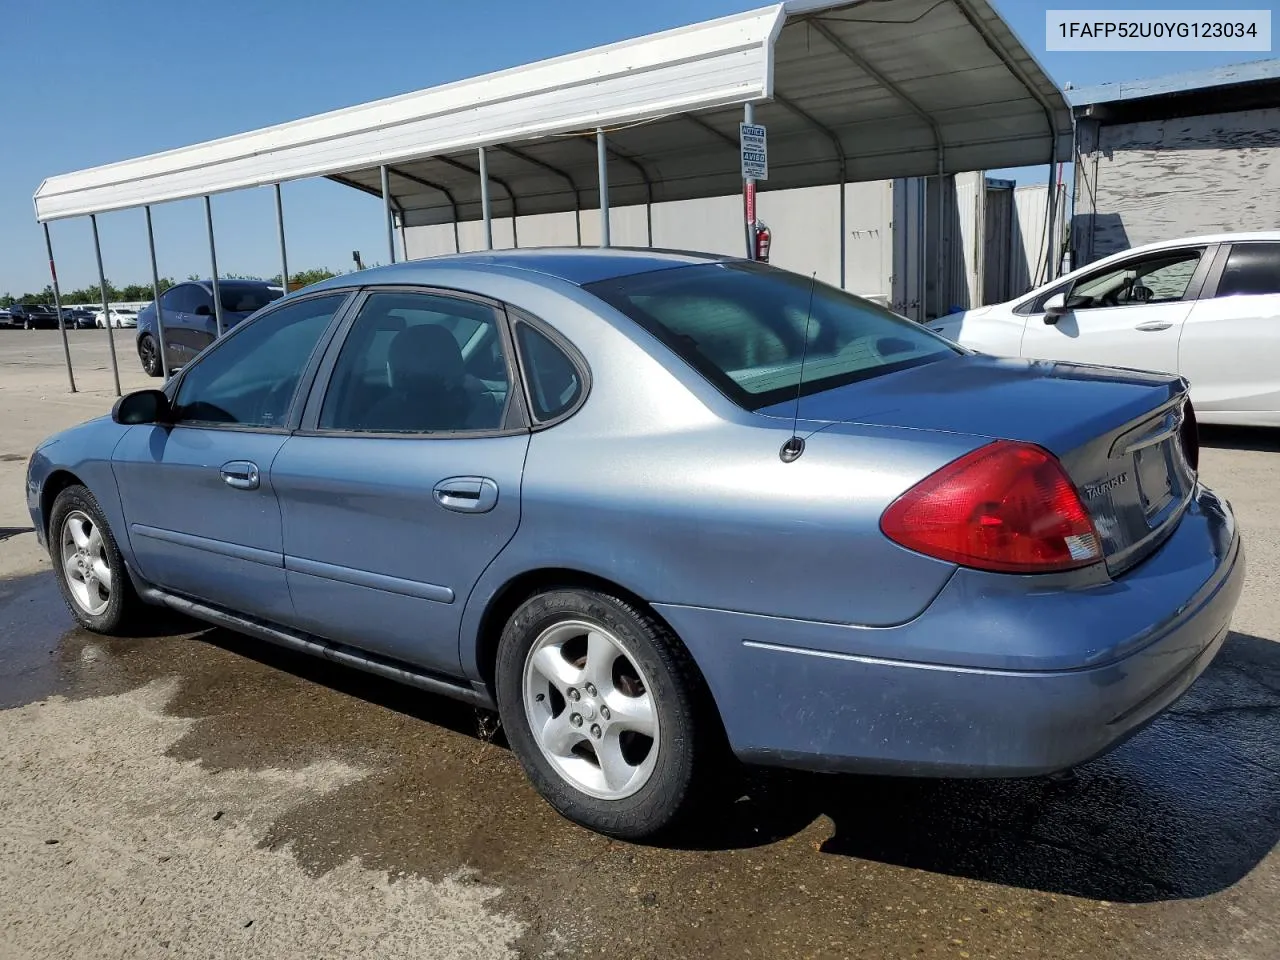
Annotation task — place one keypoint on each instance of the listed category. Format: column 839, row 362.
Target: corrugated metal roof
column 873, row 88
column 1256, row 71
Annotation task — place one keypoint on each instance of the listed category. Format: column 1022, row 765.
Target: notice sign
column 755, row 151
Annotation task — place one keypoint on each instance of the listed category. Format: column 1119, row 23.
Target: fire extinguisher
column 764, row 239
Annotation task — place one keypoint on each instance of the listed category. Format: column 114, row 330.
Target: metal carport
column 862, row 90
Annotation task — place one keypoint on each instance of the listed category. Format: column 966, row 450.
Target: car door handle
column 1153, row 325
column 467, row 494
column 241, row 474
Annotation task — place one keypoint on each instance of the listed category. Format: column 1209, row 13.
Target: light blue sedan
column 658, row 509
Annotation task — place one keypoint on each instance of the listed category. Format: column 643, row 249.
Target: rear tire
column 580, row 677
column 149, row 354
column 86, row 560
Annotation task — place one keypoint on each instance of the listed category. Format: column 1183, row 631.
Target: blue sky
column 99, row 82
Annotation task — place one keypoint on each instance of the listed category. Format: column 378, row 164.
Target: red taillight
column 1190, row 436
column 1008, row 507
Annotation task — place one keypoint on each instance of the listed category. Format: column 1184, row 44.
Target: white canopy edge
column 706, row 65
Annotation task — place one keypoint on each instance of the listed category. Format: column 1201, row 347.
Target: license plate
column 1154, row 469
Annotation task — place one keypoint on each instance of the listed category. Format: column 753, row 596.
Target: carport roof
column 864, row 90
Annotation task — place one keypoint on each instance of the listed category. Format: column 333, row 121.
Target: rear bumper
column 826, row 696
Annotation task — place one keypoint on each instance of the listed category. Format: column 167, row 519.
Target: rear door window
column 419, row 363
column 1252, row 269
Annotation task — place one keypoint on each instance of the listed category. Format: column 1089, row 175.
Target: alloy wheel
column 150, row 359
column 84, row 563
column 591, row 710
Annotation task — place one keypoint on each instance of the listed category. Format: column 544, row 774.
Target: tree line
column 139, row 292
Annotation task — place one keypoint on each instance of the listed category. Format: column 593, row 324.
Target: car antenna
column 792, row 449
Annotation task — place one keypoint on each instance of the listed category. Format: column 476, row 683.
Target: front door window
column 251, row 378
column 1156, row 278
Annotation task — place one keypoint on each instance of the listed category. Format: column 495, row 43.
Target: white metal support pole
column 155, row 293
column 106, row 306
column 940, row 267
column 213, row 261
column 1051, row 251
column 749, row 190
column 284, row 254
column 602, row 171
column 844, row 231
column 922, row 269
column 486, row 210
column 386, row 209
column 57, row 305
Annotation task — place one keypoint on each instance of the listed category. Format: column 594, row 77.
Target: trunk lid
column 1117, row 432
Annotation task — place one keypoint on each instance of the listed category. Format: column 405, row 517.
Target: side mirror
column 1054, row 308
column 203, row 311
column 141, row 406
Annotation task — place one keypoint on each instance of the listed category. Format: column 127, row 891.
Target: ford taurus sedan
column 658, row 509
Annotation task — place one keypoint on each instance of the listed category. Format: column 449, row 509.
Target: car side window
column 1253, row 269
column 171, row 301
column 419, row 363
column 197, row 297
column 249, row 378
column 554, row 382
column 1156, row 278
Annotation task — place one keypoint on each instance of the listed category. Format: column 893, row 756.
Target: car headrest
column 426, row 355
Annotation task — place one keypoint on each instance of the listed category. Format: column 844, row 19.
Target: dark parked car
column 190, row 324
column 78, row 318
column 653, row 506
column 33, row 316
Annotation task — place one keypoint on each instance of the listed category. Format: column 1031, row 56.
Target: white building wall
column 805, row 225
column 883, row 226
column 1030, row 222
column 1163, row 179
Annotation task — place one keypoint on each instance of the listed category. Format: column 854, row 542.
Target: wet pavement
column 1162, row 849
column 404, row 807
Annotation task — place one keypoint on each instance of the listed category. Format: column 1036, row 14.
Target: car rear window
column 744, row 325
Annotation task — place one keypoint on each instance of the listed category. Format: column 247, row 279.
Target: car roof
column 230, row 283
column 1272, row 235
column 576, row 265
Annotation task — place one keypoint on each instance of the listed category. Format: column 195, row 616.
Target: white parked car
column 119, row 318
column 1206, row 307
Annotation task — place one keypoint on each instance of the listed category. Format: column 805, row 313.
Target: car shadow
column 430, row 708
column 7, row 532
column 1186, row 809
column 1240, row 438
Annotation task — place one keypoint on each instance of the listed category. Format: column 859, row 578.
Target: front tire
column 149, row 354
column 86, row 560
column 606, row 711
